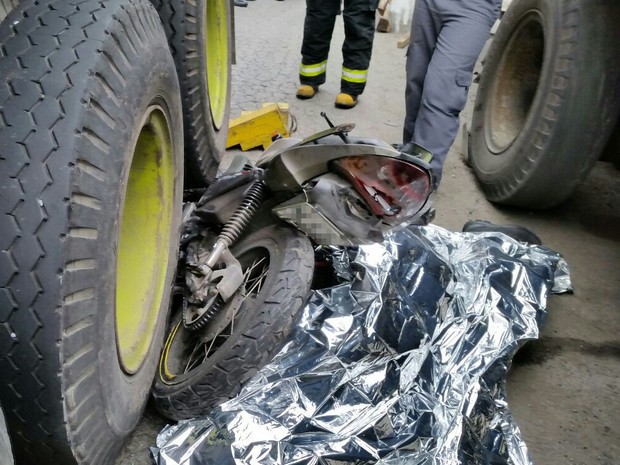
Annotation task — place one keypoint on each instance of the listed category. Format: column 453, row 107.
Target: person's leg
column 359, row 29
column 318, row 29
column 425, row 27
column 466, row 29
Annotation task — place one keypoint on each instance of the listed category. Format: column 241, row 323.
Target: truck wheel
column 201, row 369
column 91, row 160
column 548, row 99
column 201, row 40
column 6, row 6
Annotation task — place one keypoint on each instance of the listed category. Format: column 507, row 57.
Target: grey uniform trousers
column 446, row 39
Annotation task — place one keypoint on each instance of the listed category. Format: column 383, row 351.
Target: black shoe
column 517, row 232
column 240, row 2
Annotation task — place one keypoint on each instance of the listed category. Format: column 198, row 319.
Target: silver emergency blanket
column 405, row 362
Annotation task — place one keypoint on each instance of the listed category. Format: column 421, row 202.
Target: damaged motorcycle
column 249, row 247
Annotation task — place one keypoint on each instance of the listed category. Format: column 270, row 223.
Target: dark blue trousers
column 446, row 39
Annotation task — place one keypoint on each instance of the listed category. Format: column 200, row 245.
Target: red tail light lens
column 394, row 189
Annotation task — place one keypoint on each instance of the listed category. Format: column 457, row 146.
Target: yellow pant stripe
column 313, row 70
column 354, row 75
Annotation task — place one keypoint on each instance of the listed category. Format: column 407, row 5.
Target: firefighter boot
column 306, row 91
column 345, row 101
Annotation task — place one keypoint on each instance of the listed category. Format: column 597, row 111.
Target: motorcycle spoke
column 256, row 283
column 194, row 360
column 232, row 322
column 254, row 288
column 208, row 351
column 248, row 272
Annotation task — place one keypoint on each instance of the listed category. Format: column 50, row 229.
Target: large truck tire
column 200, row 33
column 548, row 99
column 91, row 163
column 201, row 369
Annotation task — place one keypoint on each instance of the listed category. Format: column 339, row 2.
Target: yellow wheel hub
column 144, row 240
column 217, row 58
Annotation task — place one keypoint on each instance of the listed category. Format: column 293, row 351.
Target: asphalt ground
column 563, row 388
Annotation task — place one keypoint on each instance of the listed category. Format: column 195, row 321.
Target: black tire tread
column 49, row 206
column 180, row 19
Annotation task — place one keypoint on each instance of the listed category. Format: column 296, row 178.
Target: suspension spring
column 244, row 213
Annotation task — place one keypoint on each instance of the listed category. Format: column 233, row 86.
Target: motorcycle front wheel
column 201, row 369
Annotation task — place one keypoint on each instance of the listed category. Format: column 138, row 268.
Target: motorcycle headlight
column 394, row 189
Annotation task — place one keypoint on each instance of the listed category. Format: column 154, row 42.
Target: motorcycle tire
column 6, row 6
column 548, row 100
column 200, row 33
column 259, row 328
column 91, row 163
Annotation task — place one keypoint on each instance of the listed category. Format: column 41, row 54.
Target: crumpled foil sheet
column 405, row 362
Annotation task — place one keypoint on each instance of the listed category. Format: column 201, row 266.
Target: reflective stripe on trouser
column 353, row 80
column 312, row 73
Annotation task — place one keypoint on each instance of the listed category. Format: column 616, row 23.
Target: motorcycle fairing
column 301, row 163
column 295, row 167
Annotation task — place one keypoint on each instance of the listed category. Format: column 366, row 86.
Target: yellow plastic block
column 256, row 128
column 281, row 105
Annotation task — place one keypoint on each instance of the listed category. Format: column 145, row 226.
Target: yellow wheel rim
column 216, row 34
column 144, row 240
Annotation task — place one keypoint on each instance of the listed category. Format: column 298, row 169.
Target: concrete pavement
column 564, row 387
